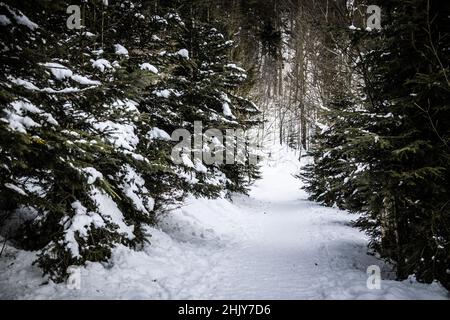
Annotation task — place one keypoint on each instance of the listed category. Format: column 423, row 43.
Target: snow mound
column 101, row 64
column 120, row 50
column 149, row 67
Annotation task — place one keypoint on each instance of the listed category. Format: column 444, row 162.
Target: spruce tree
column 399, row 138
column 410, row 92
column 86, row 116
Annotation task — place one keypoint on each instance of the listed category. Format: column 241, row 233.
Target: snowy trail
column 274, row 244
column 296, row 249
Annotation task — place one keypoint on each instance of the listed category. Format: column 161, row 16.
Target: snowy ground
column 272, row 245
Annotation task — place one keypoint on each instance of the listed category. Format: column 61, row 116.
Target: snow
column 126, row 105
column 88, row 34
column 226, row 106
column 59, row 71
column 273, row 244
column 139, row 157
column 98, row 52
column 23, row 19
column 132, row 184
column 200, row 167
column 186, row 160
column 30, row 86
column 162, row 93
column 108, row 210
column 120, row 135
column 160, row 134
column 23, row 83
column 17, row 118
column 149, row 67
column 22, row 105
column 234, row 66
column 80, row 225
column 183, row 53
column 101, row 64
column 4, row 21
column 166, row 93
column 85, row 81
column 15, row 188
column 120, row 50
column 159, row 19
column 65, row 90
column 93, row 174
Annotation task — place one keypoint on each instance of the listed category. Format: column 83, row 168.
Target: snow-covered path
column 296, row 249
column 274, row 244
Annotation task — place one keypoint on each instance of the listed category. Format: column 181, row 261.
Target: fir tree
column 399, row 139
column 410, row 91
column 85, row 121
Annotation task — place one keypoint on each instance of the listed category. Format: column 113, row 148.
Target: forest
column 115, row 115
